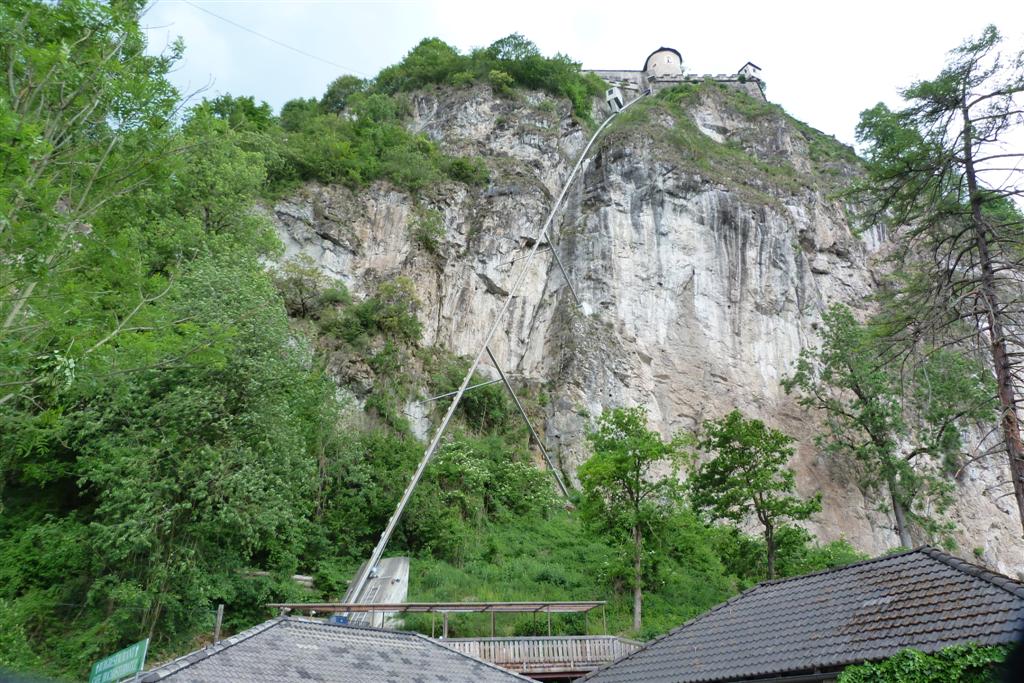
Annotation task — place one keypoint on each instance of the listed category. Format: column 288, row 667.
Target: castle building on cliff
column 663, row 68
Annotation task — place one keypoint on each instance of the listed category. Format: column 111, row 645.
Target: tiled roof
column 290, row 650
column 869, row 610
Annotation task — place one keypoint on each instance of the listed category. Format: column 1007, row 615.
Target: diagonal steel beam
column 452, row 393
column 526, row 418
column 554, row 252
column 359, row 582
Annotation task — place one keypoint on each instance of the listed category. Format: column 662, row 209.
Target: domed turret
column 664, row 62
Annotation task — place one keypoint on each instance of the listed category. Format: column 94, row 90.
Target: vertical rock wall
column 697, row 294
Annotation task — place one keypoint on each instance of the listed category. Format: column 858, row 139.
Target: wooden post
column 433, row 617
column 549, row 620
column 217, row 623
column 492, row 623
column 604, row 618
column 586, row 623
column 444, row 626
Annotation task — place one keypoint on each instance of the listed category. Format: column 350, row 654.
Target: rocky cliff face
column 700, row 277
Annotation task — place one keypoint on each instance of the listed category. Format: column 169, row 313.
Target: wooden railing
column 546, row 654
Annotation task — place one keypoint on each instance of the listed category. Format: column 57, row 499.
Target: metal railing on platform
column 546, row 654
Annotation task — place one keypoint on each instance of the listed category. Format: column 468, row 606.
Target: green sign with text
column 122, row 664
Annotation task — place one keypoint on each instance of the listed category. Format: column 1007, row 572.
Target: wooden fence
column 546, row 654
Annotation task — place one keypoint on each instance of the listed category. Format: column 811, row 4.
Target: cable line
column 366, row 571
column 274, row 40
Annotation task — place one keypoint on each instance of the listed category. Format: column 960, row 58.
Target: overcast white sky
column 823, row 61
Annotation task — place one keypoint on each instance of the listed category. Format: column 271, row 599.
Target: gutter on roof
column 797, row 678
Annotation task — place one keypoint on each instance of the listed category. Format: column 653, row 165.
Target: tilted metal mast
column 354, row 592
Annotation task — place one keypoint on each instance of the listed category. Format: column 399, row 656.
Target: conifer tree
column 943, row 177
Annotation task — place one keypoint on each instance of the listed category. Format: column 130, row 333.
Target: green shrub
column 390, row 312
column 469, row 171
column 369, row 143
column 427, row 229
column 298, row 113
column 15, row 652
column 963, row 663
column 484, row 409
column 798, row 553
column 355, row 134
column 462, row 79
column 431, row 61
column 510, row 62
column 301, row 284
column 336, row 98
column 501, row 82
column 337, row 294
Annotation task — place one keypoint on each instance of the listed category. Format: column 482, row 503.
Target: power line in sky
column 275, row 41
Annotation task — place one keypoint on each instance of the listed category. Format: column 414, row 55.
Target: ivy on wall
column 956, row 664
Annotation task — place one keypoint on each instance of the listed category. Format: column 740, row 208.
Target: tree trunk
column 1009, row 423
column 638, row 596
column 900, row 514
column 769, row 541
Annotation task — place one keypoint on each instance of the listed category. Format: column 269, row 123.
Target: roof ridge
column 1002, row 581
column 998, row 622
column 832, row 570
column 354, row 627
column 647, row 645
column 169, row 668
column 210, row 650
column 470, row 657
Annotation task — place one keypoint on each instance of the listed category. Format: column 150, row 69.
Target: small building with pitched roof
column 296, row 650
column 808, row 628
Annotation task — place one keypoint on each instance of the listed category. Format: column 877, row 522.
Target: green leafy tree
column 748, row 478
column 336, row 98
column 83, row 111
column 903, row 430
column 623, row 496
column 301, row 283
column 942, row 176
column 797, row 552
column 431, row 61
column 513, row 48
column 241, row 113
column 508, row 62
column 159, row 417
column 197, row 471
column 297, row 114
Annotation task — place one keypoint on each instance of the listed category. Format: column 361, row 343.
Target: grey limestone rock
column 697, row 294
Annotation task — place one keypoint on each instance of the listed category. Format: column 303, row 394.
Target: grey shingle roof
column 290, row 650
column 870, row 610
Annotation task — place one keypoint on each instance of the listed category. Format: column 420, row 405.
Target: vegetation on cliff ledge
column 182, row 427
column 741, row 160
